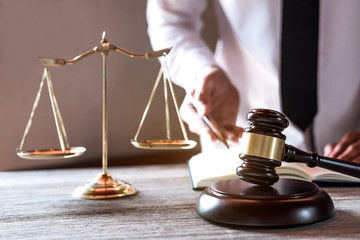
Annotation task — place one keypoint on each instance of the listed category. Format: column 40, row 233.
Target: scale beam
column 104, row 48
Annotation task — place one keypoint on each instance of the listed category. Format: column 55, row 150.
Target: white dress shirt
column 248, row 51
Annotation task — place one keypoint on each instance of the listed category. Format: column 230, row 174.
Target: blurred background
column 65, row 29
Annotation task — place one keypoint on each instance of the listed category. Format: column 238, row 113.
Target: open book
column 207, row 168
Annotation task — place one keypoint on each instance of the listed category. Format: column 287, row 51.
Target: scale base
column 287, row 203
column 104, row 186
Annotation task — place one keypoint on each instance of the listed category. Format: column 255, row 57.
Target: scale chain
column 167, row 76
column 35, row 105
column 64, row 142
column 149, row 102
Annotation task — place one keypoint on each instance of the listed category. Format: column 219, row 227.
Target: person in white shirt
column 243, row 73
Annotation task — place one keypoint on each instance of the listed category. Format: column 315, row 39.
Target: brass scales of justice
column 104, row 186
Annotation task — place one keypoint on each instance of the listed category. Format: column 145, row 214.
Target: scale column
column 104, row 186
column 104, row 116
column 104, row 50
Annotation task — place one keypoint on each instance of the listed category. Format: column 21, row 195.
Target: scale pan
column 51, row 153
column 164, row 144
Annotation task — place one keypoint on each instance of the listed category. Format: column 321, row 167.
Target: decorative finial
column 104, row 37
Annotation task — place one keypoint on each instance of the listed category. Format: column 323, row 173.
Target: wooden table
column 39, row 205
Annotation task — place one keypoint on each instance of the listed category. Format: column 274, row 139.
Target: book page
column 211, row 166
column 311, row 174
column 294, row 170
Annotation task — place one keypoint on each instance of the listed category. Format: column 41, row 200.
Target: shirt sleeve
column 177, row 24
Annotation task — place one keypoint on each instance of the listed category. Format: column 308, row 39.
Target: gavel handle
column 312, row 159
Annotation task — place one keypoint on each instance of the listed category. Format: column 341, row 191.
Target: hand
column 348, row 148
column 213, row 95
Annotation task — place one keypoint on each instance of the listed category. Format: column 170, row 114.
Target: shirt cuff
column 192, row 65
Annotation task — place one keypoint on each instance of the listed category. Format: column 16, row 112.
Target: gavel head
column 262, row 147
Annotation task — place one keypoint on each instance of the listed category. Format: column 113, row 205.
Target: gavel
column 263, row 148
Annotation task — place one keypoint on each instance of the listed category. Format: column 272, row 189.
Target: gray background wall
column 65, row 29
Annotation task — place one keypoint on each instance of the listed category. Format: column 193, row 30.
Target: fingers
column 195, row 123
column 233, row 133
column 356, row 159
column 348, row 148
column 203, row 88
column 338, row 148
column 213, row 96
column 213, row 91
column 352, row 152
column 329, row 148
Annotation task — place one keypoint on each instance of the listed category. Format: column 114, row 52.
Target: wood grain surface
column 39, row 205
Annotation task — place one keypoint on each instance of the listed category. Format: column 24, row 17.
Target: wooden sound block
column 288, row 202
